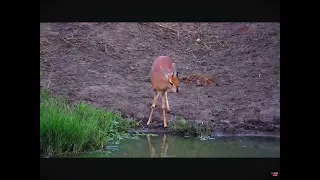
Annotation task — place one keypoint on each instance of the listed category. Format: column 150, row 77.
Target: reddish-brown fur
column 164, row 76
column 158, row 81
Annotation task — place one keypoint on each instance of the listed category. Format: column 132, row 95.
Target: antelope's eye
column 171, row 83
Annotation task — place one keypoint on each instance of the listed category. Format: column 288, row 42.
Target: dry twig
column 219, row 41
column 66, row 41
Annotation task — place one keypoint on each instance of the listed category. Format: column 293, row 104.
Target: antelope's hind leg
column 155, row 97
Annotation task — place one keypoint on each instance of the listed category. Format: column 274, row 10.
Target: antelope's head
column 172, row 78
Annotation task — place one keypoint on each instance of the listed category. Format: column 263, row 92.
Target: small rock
column 270, row 128
column 147, row 80
column 225, row 121
column 276, row 119
column 140, row 116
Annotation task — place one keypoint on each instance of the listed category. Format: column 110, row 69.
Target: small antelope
column 164, row 76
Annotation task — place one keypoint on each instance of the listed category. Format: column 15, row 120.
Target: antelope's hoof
column 165, row 126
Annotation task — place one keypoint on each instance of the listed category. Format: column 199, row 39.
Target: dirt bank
column 108, row 65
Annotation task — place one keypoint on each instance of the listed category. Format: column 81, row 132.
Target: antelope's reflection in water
column 164, row 148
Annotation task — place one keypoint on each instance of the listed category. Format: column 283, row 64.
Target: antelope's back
column 157, row 78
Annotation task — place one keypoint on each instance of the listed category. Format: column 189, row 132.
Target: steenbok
column 164, row 76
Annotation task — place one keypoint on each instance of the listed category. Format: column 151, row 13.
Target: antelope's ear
column 165, row 72
column 174, row 70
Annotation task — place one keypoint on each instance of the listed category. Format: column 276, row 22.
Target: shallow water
column 176, row 146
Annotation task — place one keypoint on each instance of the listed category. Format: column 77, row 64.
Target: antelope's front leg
column 168, row 107
column 164, row 110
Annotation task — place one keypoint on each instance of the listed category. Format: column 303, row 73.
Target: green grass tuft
column 181, row 126
column 67, row 129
